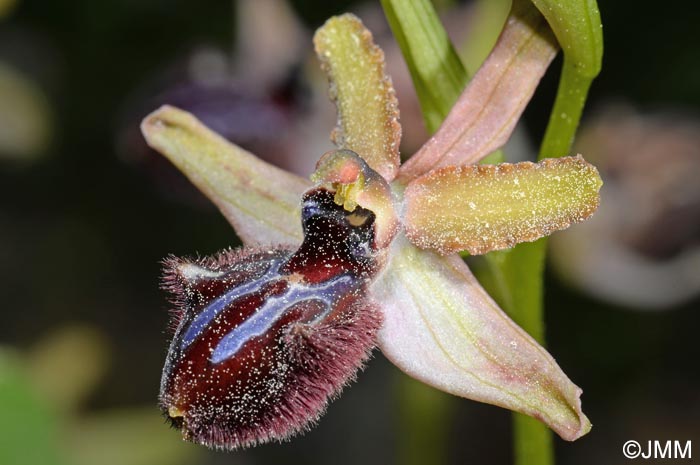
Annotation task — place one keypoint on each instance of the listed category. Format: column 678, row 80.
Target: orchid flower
column 265, row 336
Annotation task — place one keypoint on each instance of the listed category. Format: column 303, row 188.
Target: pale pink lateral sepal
column 442, row 328
column 260, row 200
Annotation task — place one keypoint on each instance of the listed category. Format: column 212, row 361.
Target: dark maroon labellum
column 263, row 339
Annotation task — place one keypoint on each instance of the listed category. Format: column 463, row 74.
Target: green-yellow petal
column 363, row 94
column 260, row 200
column 480, row 208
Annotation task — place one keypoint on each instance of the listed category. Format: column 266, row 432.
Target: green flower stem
column 579, row 31
column 532, row 441
column 566, row 113
column 517, row 274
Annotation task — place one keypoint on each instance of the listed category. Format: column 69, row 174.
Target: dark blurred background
column 87, row 212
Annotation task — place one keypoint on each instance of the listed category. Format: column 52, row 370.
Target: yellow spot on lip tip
column 174, row 412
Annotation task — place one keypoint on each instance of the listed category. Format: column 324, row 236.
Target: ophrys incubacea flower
column 265, row 336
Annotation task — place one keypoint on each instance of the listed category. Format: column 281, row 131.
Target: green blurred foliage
column 28, row 427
